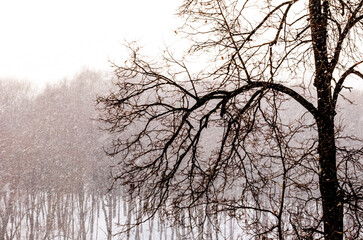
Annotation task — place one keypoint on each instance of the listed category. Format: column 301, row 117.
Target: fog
column 54, row 172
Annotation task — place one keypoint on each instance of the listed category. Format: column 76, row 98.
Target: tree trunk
column 329, row 186
column 328, row 181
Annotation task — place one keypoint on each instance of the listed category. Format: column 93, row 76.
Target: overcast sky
column 46, row 40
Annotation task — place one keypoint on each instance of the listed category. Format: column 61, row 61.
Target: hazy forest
column 55, row 174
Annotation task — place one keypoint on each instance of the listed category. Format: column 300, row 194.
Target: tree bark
column 328, row 181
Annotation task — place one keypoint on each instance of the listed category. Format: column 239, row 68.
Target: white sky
column 47, row 40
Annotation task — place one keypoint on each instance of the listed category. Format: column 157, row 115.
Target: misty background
column 55, row 174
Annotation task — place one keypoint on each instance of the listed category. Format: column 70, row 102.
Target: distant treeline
column 54, row 172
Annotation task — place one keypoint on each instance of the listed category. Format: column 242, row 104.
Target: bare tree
column 225, row 139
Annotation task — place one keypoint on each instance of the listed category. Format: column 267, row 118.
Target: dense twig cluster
column 221, row 140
